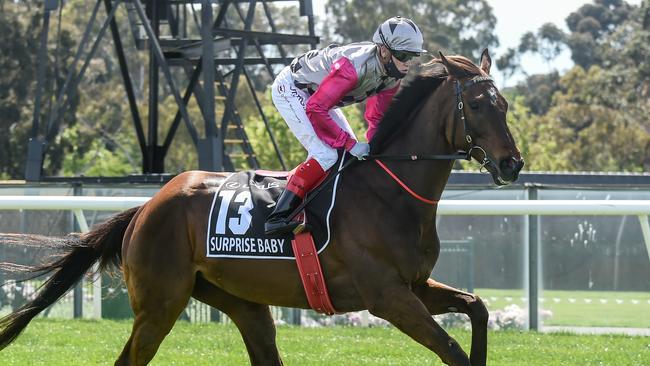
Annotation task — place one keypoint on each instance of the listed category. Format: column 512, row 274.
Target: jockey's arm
column 375, row 108
column 341, row 79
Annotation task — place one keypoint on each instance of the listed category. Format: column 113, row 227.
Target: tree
column 591, row 25
column 585, row 130
column 95, row 113
column 540, row 152
column 509, row 63
column 463, row 27
column 538, row 91
column 20, row 27
column 548, row 42
column 551, row 41
column 594, row 116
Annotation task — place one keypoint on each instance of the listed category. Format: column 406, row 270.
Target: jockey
column 308, row 92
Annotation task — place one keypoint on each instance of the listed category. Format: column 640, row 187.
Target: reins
column 403, row 185
column 460, row 155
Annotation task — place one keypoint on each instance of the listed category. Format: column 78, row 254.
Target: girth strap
column 311, row 273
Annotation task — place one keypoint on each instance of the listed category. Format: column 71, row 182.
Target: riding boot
column 277, row 223
column 300, row 183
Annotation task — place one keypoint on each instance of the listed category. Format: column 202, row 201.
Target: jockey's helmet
column 399, row 34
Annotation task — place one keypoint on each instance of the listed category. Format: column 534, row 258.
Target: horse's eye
column 473, row 104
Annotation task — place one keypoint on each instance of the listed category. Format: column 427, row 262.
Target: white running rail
column 639, row 208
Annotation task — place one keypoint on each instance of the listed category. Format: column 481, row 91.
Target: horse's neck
column 426, row 135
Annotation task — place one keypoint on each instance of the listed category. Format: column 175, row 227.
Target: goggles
column 403, row 56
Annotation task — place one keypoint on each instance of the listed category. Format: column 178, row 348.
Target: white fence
column 640, row 208
column 445, row 207
column 448, row 207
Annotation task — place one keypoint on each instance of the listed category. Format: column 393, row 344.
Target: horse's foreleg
column 440, row 299
column 253, row 320
column 403, row 309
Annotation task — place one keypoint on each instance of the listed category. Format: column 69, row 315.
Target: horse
column 383, row 248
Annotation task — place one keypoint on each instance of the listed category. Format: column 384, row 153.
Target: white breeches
column 290, row 102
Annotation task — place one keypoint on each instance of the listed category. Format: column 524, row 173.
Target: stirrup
column 302, row 228
column 280, row 227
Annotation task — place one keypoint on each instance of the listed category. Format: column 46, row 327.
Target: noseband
column 460, row 88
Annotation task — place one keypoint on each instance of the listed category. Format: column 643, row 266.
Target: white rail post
column 645, row 229
column 533, row 264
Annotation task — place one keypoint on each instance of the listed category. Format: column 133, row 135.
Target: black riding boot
column 277, row 223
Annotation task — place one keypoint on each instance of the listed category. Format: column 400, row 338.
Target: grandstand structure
column 215, row 45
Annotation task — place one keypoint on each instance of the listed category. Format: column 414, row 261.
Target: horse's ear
column 486, row 61
column 451, row 67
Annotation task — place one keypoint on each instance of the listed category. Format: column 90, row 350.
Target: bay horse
column 384, row 241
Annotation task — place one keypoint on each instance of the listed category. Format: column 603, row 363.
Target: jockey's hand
column 360, row 150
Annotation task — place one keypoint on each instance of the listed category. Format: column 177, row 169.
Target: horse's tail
column 79, row 253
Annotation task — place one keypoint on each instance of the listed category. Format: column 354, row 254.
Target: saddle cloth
column 240, row 208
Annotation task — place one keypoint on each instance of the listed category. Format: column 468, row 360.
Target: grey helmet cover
column 399, row 34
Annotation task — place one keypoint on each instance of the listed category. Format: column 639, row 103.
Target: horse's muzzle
column 509, row 169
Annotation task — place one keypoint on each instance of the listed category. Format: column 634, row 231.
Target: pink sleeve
column 375, row 108
column 341, row 79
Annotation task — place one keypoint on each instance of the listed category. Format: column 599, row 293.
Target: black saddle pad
column 240, row 208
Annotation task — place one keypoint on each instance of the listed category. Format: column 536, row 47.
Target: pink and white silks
column 319, row 126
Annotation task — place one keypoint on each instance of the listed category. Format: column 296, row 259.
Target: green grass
column 581, row 313
column 87, row 342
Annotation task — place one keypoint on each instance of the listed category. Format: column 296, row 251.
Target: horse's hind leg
column 157, row 303
column 440, row 299
column 253, row 320
column 160, row 279
column 157, row 300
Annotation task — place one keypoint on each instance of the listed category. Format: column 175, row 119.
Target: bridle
column 460, row 110
column 465, row 155
column 459, row 113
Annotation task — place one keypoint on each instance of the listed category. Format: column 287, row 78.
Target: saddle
column 236, row 226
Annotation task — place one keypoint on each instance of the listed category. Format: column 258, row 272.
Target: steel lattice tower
column 179, row 34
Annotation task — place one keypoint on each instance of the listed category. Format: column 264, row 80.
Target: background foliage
column 593, row 117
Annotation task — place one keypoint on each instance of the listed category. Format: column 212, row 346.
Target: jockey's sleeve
column 375, row 108
column 341, row 79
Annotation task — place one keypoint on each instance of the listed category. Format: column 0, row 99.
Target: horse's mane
column 412, row 95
